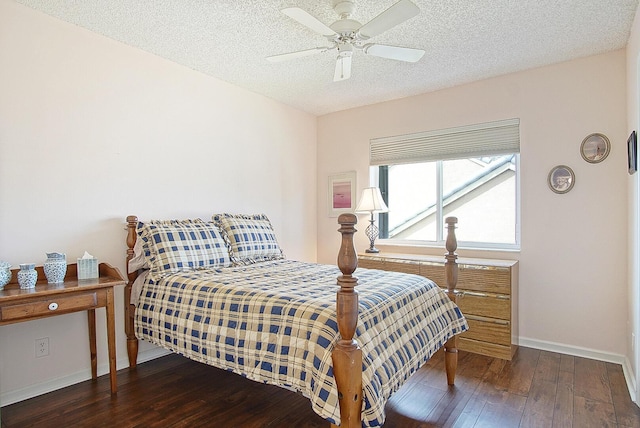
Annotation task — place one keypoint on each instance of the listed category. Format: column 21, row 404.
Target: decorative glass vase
column 55, row 268
column 27, row 275
column 5, row 273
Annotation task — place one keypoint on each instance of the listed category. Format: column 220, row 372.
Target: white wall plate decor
column 561, row 179
column 595, row 148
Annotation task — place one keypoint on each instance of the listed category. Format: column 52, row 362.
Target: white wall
column 633, row 192
column 91, row 131
column 573, row 281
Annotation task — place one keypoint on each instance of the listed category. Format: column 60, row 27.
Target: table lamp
column 371, row 202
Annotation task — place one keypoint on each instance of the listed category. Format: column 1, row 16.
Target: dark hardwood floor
column 536, row 389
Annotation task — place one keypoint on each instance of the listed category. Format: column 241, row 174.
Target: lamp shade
column 371, row 201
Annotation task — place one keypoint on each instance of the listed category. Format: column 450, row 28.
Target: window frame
column 376, row 172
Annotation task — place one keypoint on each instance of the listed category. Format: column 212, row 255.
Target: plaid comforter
column 275, row 322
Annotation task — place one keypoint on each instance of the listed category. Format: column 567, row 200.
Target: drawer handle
column 487, row 320
column 475, row 294
column 495, row 296
column 53, row 306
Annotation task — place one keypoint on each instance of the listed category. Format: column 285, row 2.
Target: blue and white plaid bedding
column 275, row 322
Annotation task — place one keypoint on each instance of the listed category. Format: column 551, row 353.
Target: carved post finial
column 347, row 257
column 451, row 256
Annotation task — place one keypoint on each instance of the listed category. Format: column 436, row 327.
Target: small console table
column 73, row 295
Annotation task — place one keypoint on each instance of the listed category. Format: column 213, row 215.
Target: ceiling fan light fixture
column 344, row 9
column 346, row 27
column 345, row 49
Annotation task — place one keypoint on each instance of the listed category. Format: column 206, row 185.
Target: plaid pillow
column 249, row 238
column 178, row 245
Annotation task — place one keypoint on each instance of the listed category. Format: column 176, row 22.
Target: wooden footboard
column 347, row 356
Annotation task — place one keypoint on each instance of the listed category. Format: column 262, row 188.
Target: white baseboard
column 587, row 353
column 630, row 377
column 151, row 354
column 10, row 397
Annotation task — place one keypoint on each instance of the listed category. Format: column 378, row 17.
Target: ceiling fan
column 347, row 35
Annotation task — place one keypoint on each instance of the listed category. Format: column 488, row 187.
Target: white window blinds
column 484, row 139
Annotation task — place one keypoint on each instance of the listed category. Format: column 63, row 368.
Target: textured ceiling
column 464, row 41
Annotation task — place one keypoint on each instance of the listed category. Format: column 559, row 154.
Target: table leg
column 111, row 340
column 91, row 315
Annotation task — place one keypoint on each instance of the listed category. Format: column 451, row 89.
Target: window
column 468, row 172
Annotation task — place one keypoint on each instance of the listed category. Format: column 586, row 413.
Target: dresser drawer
column 486, row 348
column 369, row 264
column 50, row 306
column 488, row 330
column 404, row 266
column 487, row 279
column 485, row 304
column 401, row 266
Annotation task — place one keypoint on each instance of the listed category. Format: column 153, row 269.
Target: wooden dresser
column 489, row 296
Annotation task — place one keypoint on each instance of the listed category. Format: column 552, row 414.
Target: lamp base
column 372, row 233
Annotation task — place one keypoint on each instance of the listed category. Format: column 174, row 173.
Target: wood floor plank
column 589, row 413
column 471, row 412
column 548, row 367
column 541, row 398
column 521, row 370
column 536, row 389
column 563, row 408
column 540, row 404
column 591, row 380
column 505, row 413
column 627, row 412
column 567, row 363
column 448, row 409
column 401, row 403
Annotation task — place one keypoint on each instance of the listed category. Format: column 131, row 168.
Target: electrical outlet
column 42, row 347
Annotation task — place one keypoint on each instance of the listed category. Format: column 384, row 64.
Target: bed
column 222, row 293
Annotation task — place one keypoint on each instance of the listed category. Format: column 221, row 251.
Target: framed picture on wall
column 342, row 193
column 632, row 153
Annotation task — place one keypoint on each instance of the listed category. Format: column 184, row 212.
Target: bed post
column 129, row 310
column 347, row 355
column 451, row 274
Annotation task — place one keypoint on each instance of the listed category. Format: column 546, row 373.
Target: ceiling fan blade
column 343, row 68
column 393, row 52
column 391, row 17
column 308, row 21
column 293, row 55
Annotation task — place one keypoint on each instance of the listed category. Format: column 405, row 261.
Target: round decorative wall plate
column 561, row 179
column 595, row 148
